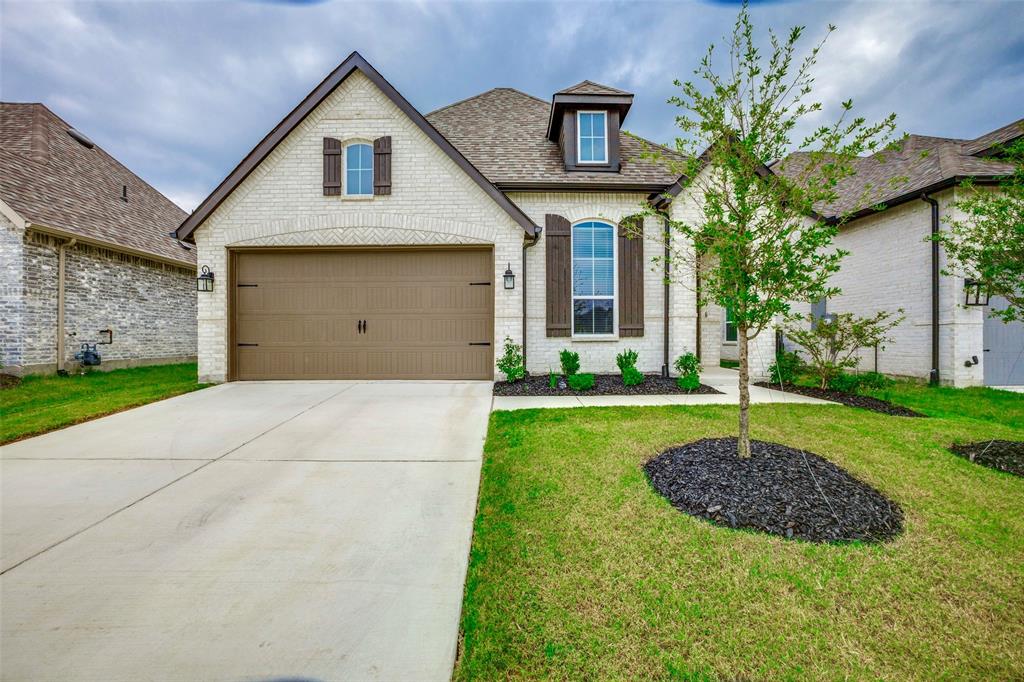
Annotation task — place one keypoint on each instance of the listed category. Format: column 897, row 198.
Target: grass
column 44, row 403
column 729, row 364
column 580, row 571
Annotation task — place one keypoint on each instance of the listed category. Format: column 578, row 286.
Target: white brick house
column 86, row 254
column 301, row 249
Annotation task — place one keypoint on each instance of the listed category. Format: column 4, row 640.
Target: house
column 893, row 264
column 362, row 239
column 87, row 253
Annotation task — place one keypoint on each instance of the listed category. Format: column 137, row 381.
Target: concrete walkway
column 246, row 531
column 724, row 380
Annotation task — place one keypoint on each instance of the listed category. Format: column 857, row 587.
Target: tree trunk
column 743, row 443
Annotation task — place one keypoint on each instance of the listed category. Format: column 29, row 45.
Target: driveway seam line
column 167, row 485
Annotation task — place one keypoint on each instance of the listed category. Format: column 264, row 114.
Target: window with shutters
column 359, row 169
column 591, row 137
column 593, row 278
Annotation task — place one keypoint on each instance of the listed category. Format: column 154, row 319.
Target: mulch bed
column 1003, row 455
column 773, row 491
column 604, row 384
column 864, row 402
column 9, row 381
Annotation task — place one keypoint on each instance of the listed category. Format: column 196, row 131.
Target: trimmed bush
column 511, row 361
column 570, row 362
column 688, row 366
column 631, row 376
column 688, row 382
column 580, row 382
column 626, row 359
column 846, row 383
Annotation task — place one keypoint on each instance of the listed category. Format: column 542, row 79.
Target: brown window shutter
column 631, row 278
column 382, row 165
column 332, row 167
column 558, row 287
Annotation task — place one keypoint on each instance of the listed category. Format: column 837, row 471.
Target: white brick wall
column 889, row 267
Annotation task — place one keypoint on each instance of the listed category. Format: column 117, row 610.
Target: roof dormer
column 585, row 121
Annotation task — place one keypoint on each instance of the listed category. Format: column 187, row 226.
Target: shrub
column 626, row 360
column 688, row 366
column 580, row 382
column 688, row 382
column 631, row 376
column 874, row 381
column 786, row 368
column 846, row 383
column 552, row 380
column 831, row 344
column 570, row 362
column 511, row 361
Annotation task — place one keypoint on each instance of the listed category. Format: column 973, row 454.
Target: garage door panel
column 422, row 310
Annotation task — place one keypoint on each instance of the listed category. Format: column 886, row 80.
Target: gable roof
column 982, row 146
column 54, row 181
column 921, row 164
column 503, row 132
column 592, row 88
column 352, row 63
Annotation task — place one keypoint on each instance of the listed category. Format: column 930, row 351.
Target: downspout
column 933, row 375
column 526, row 245
column 668, row 272
column 61, row 266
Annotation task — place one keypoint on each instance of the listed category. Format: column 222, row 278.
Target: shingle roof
column 503, row 132
column 51, row 179
column 888, row 176
column 592, row 88
column 980, row 145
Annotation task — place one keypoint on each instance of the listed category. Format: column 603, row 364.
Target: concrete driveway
column 279, row 530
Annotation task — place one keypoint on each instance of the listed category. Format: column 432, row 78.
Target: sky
column 180, row 91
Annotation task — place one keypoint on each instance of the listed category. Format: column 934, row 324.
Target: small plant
column 511, row 361
column 626, row 359
column 844, row 383
column 631, row 376
column 580, row 382
column 552, row 380
column 874, row 381
column 786, row 368
column 832, row 344
column 570, row 362
column 688, row 382
column 688, row 366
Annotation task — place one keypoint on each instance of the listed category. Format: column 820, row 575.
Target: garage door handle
column 479, row 343
column 248, row 344
column 479, row 284
column 248, row 285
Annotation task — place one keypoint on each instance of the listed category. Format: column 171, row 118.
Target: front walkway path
column 725, row 380
column 254, row 531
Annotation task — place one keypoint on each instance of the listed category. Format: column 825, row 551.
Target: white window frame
column 584, row 336
column 344, row 169
column 725, row 328
column 579, row 138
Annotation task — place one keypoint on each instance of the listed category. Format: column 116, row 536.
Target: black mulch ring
column 1004, row 455
column 604, row 384
column 773, row 491
column 865, row 402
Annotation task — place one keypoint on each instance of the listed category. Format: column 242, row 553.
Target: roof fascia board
column 110, row 246
column 12, row 215
column 267, row 145
column 913, row 195
column 561, row 102
column 579, row 187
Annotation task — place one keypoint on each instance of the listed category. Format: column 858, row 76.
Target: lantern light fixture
column 510, row 279
column 975, row 292
column 205, row 280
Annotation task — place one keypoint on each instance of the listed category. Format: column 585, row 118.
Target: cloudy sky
column 181, row 91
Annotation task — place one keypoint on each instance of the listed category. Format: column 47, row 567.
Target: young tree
column 758, row 243
column 832, row 344
column 988, row 242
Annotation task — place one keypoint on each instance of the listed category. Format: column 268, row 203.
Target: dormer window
column 592, row 137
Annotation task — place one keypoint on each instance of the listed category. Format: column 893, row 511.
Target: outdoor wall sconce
column 510, row 279
column 974, row 293
column 205, row 281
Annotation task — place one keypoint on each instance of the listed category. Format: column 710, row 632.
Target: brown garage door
column 395, row 314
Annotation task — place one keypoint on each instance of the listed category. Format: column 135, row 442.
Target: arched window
column 359, row 169
column 593, row 278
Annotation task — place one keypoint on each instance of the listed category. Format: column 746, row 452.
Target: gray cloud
column 181, row 91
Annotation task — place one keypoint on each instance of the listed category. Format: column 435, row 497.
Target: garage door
column 395, row 314
column 1004, row 349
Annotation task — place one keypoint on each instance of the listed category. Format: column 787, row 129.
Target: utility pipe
column 61, row 260
column 668, row 272
column 526, row 245
column 933, row 375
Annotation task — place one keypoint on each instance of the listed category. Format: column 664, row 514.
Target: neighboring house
column 361, row 239
column 893, row 264
column 87, row 254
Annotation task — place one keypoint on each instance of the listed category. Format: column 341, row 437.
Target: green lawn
column 45, row 403
column 580, row 571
